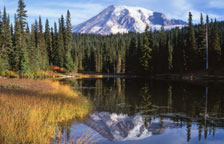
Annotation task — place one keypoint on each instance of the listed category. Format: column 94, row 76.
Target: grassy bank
column 31, row 110
column 34, row 75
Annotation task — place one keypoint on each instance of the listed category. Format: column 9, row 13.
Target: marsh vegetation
column 31, row 110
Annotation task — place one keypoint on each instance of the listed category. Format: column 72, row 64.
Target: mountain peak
column 122, row 19
column 128, row 7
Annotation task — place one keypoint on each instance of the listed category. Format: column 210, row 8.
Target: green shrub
column 8, row 73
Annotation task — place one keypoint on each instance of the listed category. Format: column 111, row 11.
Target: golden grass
column 36, row 74
column 79, row 75
column 31, row 110
column 42, row 74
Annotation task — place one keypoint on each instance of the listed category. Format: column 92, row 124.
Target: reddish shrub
column 57, row 69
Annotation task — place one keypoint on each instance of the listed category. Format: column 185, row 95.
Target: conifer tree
column 1, row 67
column 22, row 14
column 145, row 56
column 20, row 37
column 48, row 42
column 209, row 41
column 169, row 51
column 28, row 43
column 59, row 57
column 15, row 61
column 178, row 57
column 215, row 47
column 163, row 52
column 120, row 57
column 55, row 44
column 24, row 63
column 35, row 41
column 6, row 44
column 175, row 50
column 132, row 57
column 30, row 50
column 52, row 44
column 24, row 66
column 201, row 51
column 69, row 64
column 191, row 45
column 63, row 32
column 41, row 45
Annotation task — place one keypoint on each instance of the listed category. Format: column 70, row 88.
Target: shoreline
column 167, row 76
column 188, row 77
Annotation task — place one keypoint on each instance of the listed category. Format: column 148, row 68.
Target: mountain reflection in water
column 121, row 127
column 132, row 111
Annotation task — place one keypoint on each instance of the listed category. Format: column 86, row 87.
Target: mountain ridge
column 123, row 19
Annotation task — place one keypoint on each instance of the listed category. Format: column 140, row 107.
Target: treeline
column 26, row 50
column 179, row 50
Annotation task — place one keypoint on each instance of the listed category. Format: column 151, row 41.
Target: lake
column 138, row 111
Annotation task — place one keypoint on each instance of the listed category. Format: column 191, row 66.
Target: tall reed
column 31, row 110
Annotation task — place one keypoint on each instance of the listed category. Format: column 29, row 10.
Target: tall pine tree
column 69, row 64
column 6, row 41
column 48, row 42
column 131, row 56
column 215, row 47
column 22, row 14
column 21, row 37
column 43, row 49
column 178, row 52
column 191, row 45
column 17, row 44
column 201, row 51
column 145, row 52
column 163, row 52
column 59, row 56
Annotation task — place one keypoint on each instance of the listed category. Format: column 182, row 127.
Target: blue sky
column 82, row 10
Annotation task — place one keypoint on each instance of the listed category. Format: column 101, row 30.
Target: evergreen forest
column 26, row 48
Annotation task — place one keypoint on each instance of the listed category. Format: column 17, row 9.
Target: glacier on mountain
column 123, row 19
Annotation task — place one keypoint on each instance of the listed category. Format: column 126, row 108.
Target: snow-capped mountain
column 122, row 19
column 121, row 127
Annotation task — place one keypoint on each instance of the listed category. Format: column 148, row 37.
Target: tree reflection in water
column 185, row 105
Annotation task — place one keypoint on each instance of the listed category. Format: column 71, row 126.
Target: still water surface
column 135, row 111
